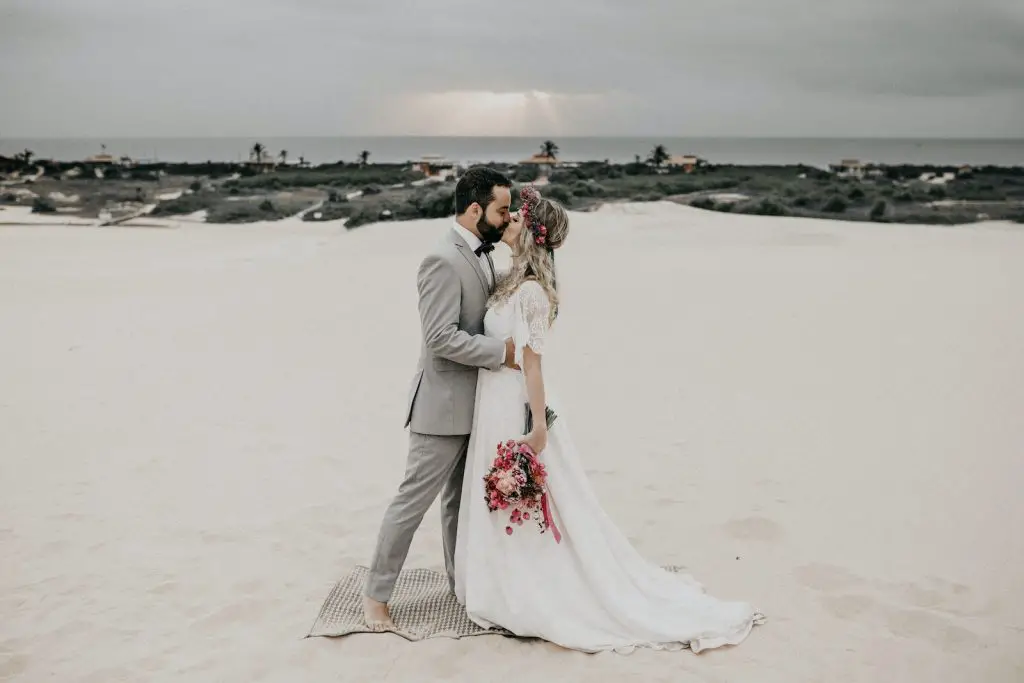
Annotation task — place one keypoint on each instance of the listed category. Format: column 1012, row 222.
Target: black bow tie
column 484, row 248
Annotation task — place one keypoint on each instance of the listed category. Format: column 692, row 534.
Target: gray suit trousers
column 434, row 463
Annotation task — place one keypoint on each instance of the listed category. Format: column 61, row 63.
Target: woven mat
column 422, row 606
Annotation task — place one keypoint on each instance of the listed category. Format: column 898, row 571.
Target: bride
column 590, row 590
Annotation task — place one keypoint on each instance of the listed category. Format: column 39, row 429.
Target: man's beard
column 490, row 233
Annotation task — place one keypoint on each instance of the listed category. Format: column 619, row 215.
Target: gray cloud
column 704, row 67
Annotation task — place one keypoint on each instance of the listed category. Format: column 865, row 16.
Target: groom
column 454, row 282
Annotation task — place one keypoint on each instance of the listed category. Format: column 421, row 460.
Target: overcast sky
column 529, row 67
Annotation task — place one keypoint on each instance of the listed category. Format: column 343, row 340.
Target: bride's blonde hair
column 545, row 228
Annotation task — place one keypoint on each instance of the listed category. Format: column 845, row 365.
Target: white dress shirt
column 475, row 242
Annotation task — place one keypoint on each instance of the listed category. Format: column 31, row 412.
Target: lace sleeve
column 533, row 309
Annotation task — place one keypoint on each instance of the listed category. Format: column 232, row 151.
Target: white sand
column 200, row 428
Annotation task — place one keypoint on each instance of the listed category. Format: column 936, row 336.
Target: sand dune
column 200, row 428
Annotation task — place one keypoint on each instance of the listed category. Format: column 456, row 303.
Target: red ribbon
column 548, row 519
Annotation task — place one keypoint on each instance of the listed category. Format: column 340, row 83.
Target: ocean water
column 812, row 151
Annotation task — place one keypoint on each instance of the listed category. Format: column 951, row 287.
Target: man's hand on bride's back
column 510, row 354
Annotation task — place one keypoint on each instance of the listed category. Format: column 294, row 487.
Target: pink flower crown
column 530, row 196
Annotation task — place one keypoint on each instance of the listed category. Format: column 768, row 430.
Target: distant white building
column 849, row 168
column 688, row 162
column 543, row 163
column 435, row 167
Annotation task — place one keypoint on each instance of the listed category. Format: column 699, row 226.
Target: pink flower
column 508, row 530
column 507, row 483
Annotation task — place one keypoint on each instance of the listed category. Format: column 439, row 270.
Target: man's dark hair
column 477, row 185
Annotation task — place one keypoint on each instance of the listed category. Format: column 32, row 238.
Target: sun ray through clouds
column 476, row 113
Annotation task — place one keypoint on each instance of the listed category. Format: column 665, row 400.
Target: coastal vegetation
column 269, row 187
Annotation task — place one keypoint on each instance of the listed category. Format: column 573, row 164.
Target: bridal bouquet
column 517, row 481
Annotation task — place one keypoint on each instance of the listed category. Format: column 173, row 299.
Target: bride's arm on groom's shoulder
column 439, row 306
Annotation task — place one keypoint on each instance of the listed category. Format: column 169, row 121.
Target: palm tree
column 283, row 156
column 549, row 149
column 364, row 157
column 659, row 155
column 257, row 152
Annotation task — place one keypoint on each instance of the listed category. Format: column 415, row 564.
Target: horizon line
column 636, row 136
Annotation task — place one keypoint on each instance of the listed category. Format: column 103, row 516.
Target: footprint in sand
column 826, row 577
column 164, row 587
column 944, row 596
column 12, row 664
column 847, row 606
column 754, row 529
column 926, row 624
column 934, row 628
column 929, row 593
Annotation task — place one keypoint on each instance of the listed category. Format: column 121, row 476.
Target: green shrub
column 770, row 208
column 580, row 188
column 567, row 175
column 433, row 204
column 334, row 175
column 761, row 207
column 878, row 210
column 559, row 194
column 647, row 197
column 43, row 205
column 243, row 212
column 527, row 173
column 186, row 203
column 835, row 204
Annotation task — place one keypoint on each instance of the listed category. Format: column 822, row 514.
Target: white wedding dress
column 593, row 591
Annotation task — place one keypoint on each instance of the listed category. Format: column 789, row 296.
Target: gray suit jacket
column 453, row 294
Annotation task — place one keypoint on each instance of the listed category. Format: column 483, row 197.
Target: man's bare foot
column 376, row 615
